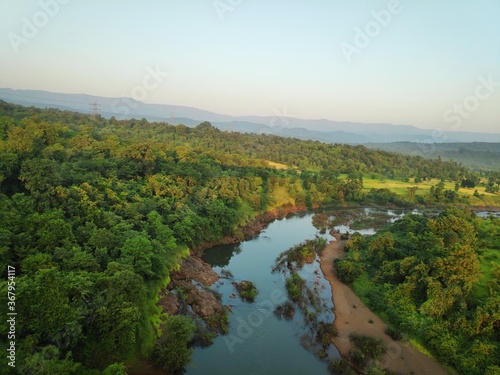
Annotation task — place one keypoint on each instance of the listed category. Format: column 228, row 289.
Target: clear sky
column 428, row 63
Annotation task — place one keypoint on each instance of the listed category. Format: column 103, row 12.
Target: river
column 258, row 342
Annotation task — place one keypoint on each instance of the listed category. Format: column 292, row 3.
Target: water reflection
column 220, row 256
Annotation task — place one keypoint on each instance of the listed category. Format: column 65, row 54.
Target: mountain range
column 323, row 130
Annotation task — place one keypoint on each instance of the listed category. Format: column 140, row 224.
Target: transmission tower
column 95, row 108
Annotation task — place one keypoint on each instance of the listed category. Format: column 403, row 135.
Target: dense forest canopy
column 96, row 213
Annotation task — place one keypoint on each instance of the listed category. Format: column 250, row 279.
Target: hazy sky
column 428, row 63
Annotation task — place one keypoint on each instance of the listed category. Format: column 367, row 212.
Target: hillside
column 474, row 155
column 279, row 123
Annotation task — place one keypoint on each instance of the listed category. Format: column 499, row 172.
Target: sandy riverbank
column 352, row 316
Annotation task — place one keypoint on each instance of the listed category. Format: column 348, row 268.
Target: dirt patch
column 352, row 316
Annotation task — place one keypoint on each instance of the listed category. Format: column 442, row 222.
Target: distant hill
column 321, row 130
column 474, row 155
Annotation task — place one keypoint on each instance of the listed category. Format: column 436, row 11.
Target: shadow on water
column 220, row 256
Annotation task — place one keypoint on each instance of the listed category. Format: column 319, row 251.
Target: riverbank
column 252, row 228
column 352, row 316
column 258, row 223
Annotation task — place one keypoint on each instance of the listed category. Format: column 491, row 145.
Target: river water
column 258, row 342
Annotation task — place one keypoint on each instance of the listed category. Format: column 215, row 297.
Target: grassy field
column 400, row 187
column 276, row 165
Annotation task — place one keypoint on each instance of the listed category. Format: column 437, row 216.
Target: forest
column 436, row 281
column 478, row 156
column 96, row 213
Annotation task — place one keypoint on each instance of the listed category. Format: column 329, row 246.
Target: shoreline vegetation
column 259, row 223
column 353, row 317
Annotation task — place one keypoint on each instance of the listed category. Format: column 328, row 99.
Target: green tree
column 172, row 352
column 138, row 252
column 49, row 361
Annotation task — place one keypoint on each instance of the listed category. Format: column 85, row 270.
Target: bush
column 373, row 369
column 347, row 270
column 294, row 285
column 340, row 367
column 220, row 322
column 368, row 346
column 394, row 334
column 247, row 290
column 325, row 333
column 299, row 255
column 358, row 358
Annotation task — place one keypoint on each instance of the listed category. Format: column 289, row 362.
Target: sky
column 431, row 64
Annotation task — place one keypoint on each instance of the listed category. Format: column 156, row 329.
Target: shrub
column 294, row 285
column 347, row 270
column 340, row 367
column 247, row 290
column 368, row 346
column 325, row 333
column 393, row 334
